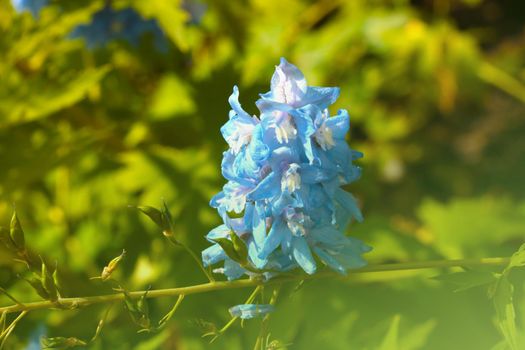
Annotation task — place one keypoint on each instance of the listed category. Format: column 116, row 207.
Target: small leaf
column 16, row 233
column 391, row 340
column 518, row 258
column 503, row 302
column 467, row 279
column 61, row 342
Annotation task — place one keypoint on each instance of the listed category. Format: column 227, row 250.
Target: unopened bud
column 16, row 233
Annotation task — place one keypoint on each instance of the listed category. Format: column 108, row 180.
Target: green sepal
column 154, row 214
column 112, row 266
column 234, row 247
column 16, row 233
column 138, row 310
column 240, row 248
column 161, row 218
column 6, row 240
column 36, row 283
column 49, row 283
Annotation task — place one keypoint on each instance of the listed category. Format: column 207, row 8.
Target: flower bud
column 16, row 233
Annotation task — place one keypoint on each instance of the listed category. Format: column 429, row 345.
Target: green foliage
column 435, row 91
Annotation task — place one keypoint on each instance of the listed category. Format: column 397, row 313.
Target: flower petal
column 302, row 255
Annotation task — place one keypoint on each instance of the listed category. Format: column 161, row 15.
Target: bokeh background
column 94, row 120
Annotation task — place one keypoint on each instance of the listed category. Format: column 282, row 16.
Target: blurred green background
column 436, row 93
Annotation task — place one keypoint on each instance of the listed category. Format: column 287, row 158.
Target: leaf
column 164, row 106
column 467, row 279
column 503, row 302
column 416, row 338
column 518, row 258
column 391, row 340
column 45, row 98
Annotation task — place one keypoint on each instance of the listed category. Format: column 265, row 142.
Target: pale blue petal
column 268, row 187
column 248, row 311
column 212, row 255
column 302, row 255
column 348, row 202
column 339, row 124
column 274, row 238
column 329, row 260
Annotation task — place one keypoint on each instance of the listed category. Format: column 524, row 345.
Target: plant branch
column 77, row 302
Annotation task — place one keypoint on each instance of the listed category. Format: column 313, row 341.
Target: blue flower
column 247, row 311
column 126, row 24
column 33, row 6
column 285, row 169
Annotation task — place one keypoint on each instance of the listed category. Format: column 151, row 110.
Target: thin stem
column 198, row 261
column 230, row 323
column 7, row 332
column 502, row 80
column 194, row 257
column 170, row 314
column 259, row 343
column 72, row 303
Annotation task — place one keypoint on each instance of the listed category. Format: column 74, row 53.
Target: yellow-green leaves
column 45, row 97
column 172, row 98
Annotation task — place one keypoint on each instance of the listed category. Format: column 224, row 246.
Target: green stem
column 198, row 261
column 259, row 343
column 5, row 334
column 502, row 80
column 194, row 257
column 72, row 303
column 230, row 323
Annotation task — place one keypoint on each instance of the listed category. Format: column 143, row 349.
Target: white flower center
column 324, row 138
column 284, row 127
column 291, row 180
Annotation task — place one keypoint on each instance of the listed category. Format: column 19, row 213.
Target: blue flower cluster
column 285, row 170
column 109, row 24
column 33, row 6
column 106, row 25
